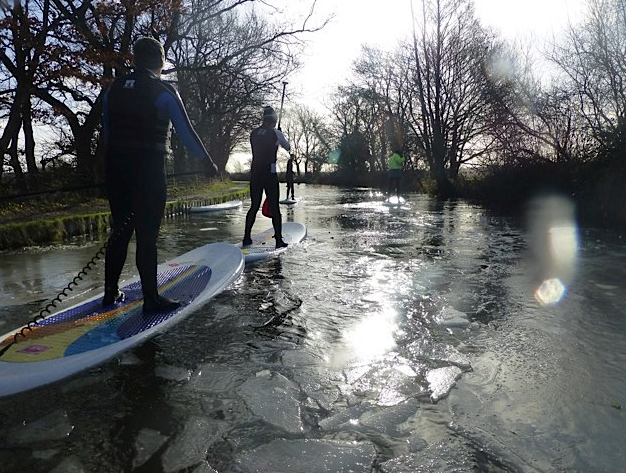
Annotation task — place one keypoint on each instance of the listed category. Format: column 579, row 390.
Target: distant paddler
column 394, row 172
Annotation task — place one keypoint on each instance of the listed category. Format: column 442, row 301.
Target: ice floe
column 274, row 398
column 53, row 426
column 441, row 381
column 308, row 456
column 190, row 447
column 172, row 373
column 147, row 443
column 452, row 318
column 216, row 378
column 70, row 464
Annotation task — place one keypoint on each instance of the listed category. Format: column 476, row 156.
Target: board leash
column 70, row 287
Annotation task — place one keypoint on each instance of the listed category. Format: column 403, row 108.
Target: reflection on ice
column 370, row 339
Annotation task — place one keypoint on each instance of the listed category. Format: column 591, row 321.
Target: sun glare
column 368, row 340
column 372, row 337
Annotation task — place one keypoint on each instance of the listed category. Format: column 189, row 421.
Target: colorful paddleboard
column 87, row 334
column 230, row 205
column 263, row 245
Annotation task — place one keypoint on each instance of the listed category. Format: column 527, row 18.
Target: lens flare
column 554, row 241
column 551, row 291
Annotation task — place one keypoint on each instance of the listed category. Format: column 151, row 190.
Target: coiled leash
column 100, row 254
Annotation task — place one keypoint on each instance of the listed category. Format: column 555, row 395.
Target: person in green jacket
column 394, row 172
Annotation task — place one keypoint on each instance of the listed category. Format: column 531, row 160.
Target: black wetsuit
column 263, row 177
column 136, row 118
column 289, row 178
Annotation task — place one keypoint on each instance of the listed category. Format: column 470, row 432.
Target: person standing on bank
column 394, row 172
column 265, row 141
column 289, row 176
column 137, row 111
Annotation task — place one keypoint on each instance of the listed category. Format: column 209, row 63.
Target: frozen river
column 436, row 336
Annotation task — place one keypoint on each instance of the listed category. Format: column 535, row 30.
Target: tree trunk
column 85, row 163
column 12, row 127
column 29, row 140
column 15, row 164
column 438, row 166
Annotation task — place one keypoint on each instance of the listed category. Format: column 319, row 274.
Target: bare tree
column 350, row 111
column 449, row 104
column 75, row 48
column 92, row 46
column 594, row 64
column 380, row 78
column 22, row 59
column 429, row 98
column 305, row 129
column 229, row 62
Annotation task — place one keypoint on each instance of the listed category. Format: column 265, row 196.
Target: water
column 405, row 339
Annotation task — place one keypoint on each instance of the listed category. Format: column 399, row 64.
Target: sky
column 331, row 51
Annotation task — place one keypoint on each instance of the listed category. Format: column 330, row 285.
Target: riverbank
column 55, row 220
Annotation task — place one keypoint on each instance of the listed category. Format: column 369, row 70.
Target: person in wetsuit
column 263, row 176
column 289, row 177
column 394, row 172
column 137, row 111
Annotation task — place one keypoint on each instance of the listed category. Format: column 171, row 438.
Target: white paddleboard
column 264, row 245
column 230, row 205
column 86, row 334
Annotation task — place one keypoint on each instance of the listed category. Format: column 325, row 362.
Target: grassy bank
column 54, row 218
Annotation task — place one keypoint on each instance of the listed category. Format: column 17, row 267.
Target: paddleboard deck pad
column 230, row 205
column 264, row 245
column 88, row 334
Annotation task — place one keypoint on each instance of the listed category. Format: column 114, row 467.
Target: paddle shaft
column 282, row 100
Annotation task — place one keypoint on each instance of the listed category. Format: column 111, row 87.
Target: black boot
column 111, row 296
column 280, row 243
column 159, row 304
column 247, row 241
